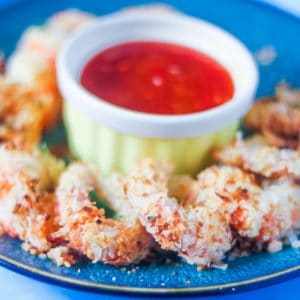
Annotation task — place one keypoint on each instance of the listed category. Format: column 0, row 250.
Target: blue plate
column 257, row 26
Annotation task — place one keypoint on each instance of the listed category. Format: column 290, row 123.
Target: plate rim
column 64, row 281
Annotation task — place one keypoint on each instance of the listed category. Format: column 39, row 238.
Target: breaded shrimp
column 255, row 155
column 280, row 203
column 38, row 73
column 33, row 62
column 278, row 118
column 225, row 201
column 27, row 209
column 198, row 234
column 234, row 187
column 24, row 114
column 85, row 227
column 42, row 43
column 264, row 213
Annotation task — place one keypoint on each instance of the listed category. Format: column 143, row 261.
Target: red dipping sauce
column 158, row 78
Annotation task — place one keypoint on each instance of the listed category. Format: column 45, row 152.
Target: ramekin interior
column 172, row 28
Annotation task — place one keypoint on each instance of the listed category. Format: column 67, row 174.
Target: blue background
column 19, row 287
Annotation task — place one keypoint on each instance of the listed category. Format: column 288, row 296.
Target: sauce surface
column 159, row 78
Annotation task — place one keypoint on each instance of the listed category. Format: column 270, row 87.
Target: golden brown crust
column 256, row 155
column 24, row 114
column 27, row 209
column 88, row 230
column 226, row 201
column 277, row 118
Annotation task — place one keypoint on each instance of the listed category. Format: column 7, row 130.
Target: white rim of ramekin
column 154, row 125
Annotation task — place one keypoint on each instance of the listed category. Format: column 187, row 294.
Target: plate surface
column 258, row 26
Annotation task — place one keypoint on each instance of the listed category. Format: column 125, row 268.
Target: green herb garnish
column 68, row 159
column 44, row 148
column 100, row 203
column 151, row 218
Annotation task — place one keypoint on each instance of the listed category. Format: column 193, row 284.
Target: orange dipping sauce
column 158, row 78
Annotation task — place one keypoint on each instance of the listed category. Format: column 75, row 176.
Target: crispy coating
column 24, row 114
column 33, row 62
column 197, row 234
column 27, row 209
column 278, row 118
column 231, row 192
column 264, row 212
column 183, row 188
column 86, row 229
column 280, row 203
column 37, row 73
column 225, row 202
column 256, row 155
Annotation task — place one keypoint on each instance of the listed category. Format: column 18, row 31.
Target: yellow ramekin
column 114, row 138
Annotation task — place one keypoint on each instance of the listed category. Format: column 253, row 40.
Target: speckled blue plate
column 258, row 26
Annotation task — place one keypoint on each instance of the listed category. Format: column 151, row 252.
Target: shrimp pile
column 249, row 202
column 34, row 207
column 227, row 208
column 225, row 203
column 278, row 118
column 273, row 156
column 29, row 95
column 50, row 209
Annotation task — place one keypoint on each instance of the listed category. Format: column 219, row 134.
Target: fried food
column 197, row 234
column 27, row 209
column 256, row 155
column 278, row 118
column 227, row 202
column 87, row 229
column 33, row 62
column 263, row 212
column 24, row 114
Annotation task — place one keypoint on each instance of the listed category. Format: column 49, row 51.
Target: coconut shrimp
column 23, row 114
column 255, row 155
column 29, row 96
column 27, row 209
column 264, row 213
column 223, row 202
column 280, row 203
column 33, row 62
column 278, row 118
column 43, row 44
column 197, row 234
column 37, row 71
column 87, row 229
column 37, row 50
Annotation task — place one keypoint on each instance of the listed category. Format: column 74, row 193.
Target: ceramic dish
column 185, row 140
column 260, row 28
